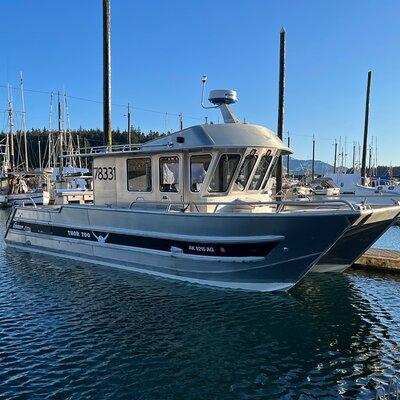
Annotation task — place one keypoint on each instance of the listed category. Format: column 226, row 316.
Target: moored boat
column 191, row 206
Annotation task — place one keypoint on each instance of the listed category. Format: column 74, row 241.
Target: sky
column 160, row 50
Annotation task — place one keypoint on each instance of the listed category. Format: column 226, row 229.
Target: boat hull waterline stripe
column 205, row 249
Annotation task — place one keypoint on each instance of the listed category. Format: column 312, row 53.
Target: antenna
column 180, row 121
column 203, row 88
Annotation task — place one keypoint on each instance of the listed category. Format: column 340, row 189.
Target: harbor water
column 71, row 330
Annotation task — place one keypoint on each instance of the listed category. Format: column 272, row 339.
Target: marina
column 209, row 256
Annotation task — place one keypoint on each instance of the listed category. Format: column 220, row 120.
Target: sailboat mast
column 10, row 129
column 51, row 158
column 69, row 139
column 24, row 121
column 313, row 159
column 40, row 155
column 60, row 133
column 335, row 158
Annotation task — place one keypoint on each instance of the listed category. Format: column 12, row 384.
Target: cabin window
column 224, row 172
column 245, row 172
column 198, row 169
column 169, row 174
column 270, row 171
column 139, row 174
column 261, row 170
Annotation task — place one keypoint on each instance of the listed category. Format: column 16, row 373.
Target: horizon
column 325, row 79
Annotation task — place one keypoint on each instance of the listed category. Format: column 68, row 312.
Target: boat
column 324, row 187
column 379, row 214
column 375, row 191
column 376, row 220
column 24, row 188
column 191, row 206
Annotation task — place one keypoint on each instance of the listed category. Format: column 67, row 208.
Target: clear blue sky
column 161, row 48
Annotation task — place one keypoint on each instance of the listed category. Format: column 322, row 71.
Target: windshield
column 245, row 172
column 261, row 170
column 223, row 174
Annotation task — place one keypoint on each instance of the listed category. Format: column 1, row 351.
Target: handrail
column 121, row 148
column 10, row 215
column 281, row 204
column 31, row 200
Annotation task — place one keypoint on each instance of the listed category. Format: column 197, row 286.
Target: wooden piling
column 366, row 123
column 107, row 72
column 281, row 104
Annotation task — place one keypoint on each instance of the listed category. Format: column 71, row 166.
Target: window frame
column 151, row 174
column 206, row 178
column 233, row 175
column 180, row 171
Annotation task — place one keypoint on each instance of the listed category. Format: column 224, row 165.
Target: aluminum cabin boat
column 191, row 206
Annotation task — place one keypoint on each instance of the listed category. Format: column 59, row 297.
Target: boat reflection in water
column 327, row 337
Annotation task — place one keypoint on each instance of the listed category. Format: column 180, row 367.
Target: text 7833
column 104, row 173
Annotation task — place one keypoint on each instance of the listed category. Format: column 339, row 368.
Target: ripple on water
column 69, row 330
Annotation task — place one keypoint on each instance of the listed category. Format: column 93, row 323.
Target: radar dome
column 222, row 96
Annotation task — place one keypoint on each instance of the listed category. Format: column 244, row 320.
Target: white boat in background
column 324, row 187
column 73, row 186
column 374, row 192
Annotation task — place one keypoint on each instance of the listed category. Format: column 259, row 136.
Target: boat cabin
column 205, row 163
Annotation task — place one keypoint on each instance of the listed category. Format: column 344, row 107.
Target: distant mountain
column 300, row 167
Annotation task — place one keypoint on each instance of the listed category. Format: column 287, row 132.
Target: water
column 391, row 240
column 73, row 331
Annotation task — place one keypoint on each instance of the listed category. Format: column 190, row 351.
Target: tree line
column 95, row 137
column 87, row 138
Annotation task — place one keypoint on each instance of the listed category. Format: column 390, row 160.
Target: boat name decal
column 79, row 234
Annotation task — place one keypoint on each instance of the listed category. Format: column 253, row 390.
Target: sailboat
column 19, row 183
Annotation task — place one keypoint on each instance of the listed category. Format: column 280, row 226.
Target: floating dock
column 380, row 259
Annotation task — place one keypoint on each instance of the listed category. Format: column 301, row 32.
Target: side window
column 139, row 174
column 245, row 172
column 223, row 175
column 169, row 174
column 198, row 169
column 261, row 170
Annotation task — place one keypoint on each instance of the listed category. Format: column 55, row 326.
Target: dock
column 380, row 259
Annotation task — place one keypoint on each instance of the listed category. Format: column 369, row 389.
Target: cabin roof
column 214, row 136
